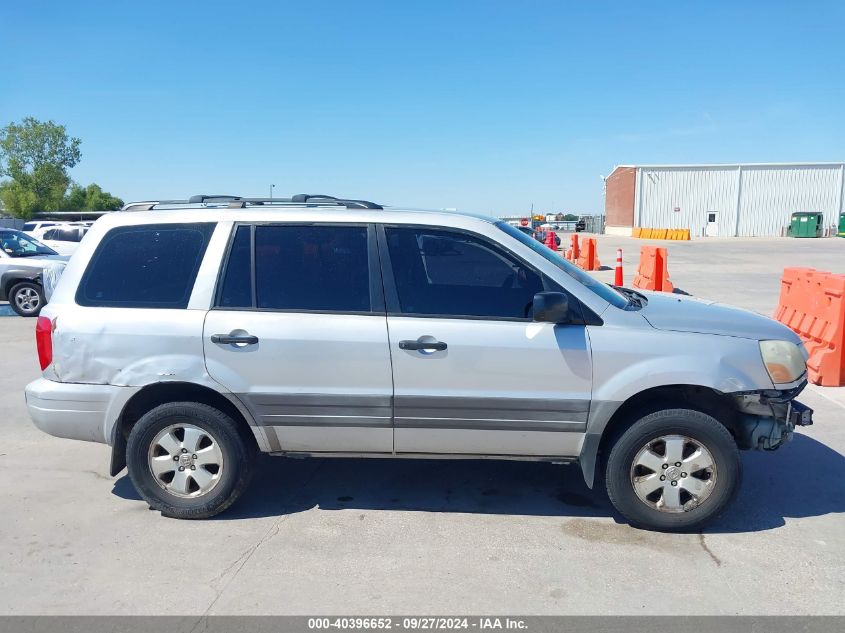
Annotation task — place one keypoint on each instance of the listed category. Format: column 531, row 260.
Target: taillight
column 44, row 341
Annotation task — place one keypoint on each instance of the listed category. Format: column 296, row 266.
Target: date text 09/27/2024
column 417, row 623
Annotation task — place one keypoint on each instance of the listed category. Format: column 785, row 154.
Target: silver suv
column 191, row 336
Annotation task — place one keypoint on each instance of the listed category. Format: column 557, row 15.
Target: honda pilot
column 192, row 336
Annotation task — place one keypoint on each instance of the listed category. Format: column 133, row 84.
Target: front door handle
column 435, row 346
column 229, row 339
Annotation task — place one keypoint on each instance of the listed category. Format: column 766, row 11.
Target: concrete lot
column 382, row 536
column 742, row 271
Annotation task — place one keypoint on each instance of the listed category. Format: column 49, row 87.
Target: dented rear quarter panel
column 131, row 347
column 128, row 347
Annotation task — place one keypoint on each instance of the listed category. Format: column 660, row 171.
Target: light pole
column 271, row 191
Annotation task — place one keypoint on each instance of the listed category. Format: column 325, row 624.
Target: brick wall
column 619, row 197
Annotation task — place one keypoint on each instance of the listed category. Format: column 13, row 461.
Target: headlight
column 783, row 360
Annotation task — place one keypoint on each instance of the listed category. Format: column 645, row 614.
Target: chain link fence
column 593, row 223
column 11, row 223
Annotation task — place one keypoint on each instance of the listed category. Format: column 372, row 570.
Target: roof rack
column 201, row 199
column 238, row 202
column 138, row 206
column 362, row 204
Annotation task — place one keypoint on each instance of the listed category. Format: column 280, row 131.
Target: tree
column 90, row 198
column 17, row 200
column 36, row 156
column 75, row 199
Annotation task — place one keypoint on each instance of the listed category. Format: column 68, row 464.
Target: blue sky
column 490, row 106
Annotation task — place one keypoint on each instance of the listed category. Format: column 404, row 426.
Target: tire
column 27, row 298
column 682, row 501
column 221, row 454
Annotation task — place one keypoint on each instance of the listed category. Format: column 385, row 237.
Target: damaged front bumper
column 767, row 420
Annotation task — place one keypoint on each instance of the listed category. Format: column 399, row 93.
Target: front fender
column 626, row 365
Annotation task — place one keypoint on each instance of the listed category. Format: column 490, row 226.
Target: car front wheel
column 189, row 460
column 673, row 470
column 27, row 298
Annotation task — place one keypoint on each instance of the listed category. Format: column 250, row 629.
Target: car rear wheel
column 189, row 460
column 673, row 470
column 27, row 298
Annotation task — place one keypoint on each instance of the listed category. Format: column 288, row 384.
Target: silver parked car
column 191, row 336
column 23, row 263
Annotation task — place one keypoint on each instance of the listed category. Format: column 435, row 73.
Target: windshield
column 603, row 290
column 17, row 244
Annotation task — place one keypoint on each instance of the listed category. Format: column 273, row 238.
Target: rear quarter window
column 149, row 266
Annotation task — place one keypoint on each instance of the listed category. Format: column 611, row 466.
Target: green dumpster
column 842, row 225
column 806, row 224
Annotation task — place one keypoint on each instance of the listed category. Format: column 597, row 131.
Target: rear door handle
column 436, row 346
column 228, row 339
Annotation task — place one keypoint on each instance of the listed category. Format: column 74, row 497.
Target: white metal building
column 754, row 199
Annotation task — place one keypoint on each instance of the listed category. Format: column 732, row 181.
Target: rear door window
column 322, row 268
column 315, row 268
column 236, row 285
column 149, row 266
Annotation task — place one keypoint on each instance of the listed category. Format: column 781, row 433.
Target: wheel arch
column 11, row 282
column 156, row 394
column 609, row 420
column 16, row 275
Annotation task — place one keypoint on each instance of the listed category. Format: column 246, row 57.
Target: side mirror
column 551, row 307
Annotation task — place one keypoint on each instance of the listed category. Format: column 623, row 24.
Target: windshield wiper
column 634, row 297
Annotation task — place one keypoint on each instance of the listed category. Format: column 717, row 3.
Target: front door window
column 446, row 273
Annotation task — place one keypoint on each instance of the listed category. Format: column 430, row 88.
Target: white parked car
column 31, row 228
column 62, row 238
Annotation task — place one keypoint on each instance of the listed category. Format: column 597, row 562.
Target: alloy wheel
column 27, row 300
column 673, row 473
column 186, row 460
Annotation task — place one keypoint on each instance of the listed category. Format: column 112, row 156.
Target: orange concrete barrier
column 652, row 273
column 812, row 304
column 588, row 258
column 574, row 251
column 635, row 232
